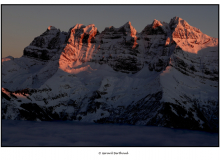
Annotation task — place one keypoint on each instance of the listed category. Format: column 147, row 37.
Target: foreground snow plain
column 60, row 133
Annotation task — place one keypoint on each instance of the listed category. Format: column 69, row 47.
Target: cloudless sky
column 22, row 23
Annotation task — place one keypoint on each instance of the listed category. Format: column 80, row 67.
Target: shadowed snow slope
column 167, row 75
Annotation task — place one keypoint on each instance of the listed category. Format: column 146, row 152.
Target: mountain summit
column 167, row 75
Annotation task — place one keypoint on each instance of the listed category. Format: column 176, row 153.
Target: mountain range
column 166, row 75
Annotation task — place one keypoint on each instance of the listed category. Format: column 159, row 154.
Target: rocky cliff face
column 46, row 45
column 167, row 75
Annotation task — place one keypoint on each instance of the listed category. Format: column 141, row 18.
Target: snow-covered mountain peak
column 178, row 22
column 81, row 33
column 157, row 27
column 175, row 20
column 90, row 28
column 76, row 29
column 8, row 58
column 109, row 29
column 189, row 38
column 131, row 31
column 156, row 23
column 52, row 28
column 127, row 24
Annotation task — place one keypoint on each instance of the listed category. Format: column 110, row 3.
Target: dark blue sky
column 22, row 23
